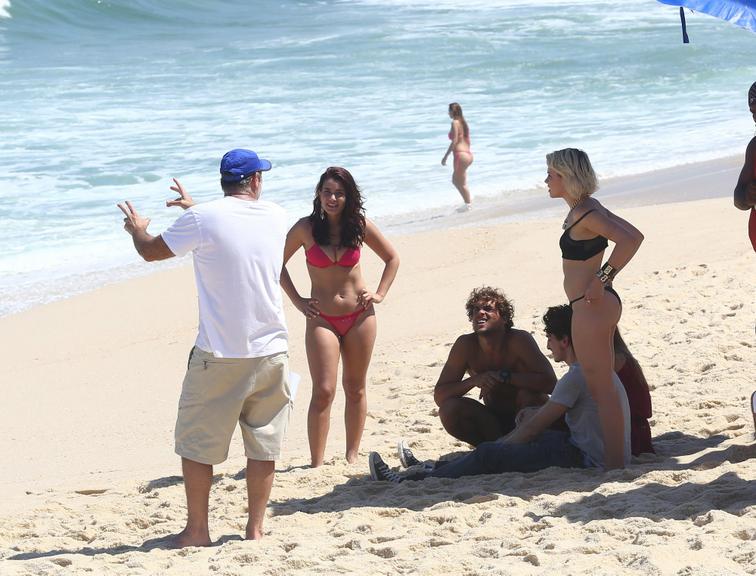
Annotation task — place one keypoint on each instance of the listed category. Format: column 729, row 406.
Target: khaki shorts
column 219, row 392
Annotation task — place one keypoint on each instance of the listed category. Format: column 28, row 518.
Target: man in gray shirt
column 532, row 445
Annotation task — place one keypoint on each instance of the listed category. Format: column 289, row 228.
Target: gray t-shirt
column 582, row 415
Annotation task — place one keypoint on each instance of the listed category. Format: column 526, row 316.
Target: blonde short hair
column 575, row 168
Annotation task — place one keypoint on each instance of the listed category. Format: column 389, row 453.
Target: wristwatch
column 506, row 376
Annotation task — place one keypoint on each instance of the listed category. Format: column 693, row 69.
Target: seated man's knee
column 450, row 412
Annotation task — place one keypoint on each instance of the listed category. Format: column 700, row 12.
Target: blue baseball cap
column 238, row 164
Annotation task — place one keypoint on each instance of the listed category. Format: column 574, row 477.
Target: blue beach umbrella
column 739, row 12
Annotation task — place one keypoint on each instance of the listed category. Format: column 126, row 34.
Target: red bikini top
column 465, row 138
column 316, row 257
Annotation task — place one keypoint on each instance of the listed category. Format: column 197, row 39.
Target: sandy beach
column 90, row 386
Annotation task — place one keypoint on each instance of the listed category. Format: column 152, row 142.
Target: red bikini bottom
column 342, row 324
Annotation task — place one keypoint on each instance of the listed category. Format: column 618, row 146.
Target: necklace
column 575, row 205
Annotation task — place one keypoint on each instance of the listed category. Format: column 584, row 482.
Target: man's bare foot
column 187, row 538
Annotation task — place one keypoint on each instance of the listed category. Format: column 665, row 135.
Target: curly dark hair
column 486, row 294
column 352, row 218
column 558, row 321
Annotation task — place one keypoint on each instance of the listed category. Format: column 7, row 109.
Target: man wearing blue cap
column 238, row 368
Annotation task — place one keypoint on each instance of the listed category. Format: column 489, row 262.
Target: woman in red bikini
column 596, row 306
column 339, row 311
column 459, row 134
column 745, row 190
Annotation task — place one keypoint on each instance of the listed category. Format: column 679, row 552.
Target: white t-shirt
column 582, row 414
column 237, row 247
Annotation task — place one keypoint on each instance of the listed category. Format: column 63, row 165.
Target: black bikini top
column 581, row 249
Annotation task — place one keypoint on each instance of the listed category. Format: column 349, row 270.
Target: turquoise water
column 106, row 100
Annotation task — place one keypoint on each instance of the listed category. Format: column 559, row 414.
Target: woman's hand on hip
column 366, row 298
column 310, row 307
column 595, row 291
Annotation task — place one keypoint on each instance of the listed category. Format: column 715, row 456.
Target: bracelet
column 506, row 376
column 607, row 273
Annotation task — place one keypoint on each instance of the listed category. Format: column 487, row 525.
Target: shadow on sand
column 728, row 492
column 363, row 492
column 162, row 543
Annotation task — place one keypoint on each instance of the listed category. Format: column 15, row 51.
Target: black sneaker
column 380, row 471
column 406, row 457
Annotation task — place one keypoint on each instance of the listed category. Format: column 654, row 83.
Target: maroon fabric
column 639, row 398
column 752, row 228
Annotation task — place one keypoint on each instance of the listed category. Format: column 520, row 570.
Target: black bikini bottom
column 608, row 289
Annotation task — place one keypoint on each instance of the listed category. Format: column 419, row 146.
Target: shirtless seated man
column 503, row 363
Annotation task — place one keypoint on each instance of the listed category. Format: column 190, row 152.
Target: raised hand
column 133, row 222
column 184, row 200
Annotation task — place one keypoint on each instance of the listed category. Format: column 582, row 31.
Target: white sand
column 90, row 386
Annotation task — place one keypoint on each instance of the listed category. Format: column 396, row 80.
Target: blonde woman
column 595, row 304
column 459, row 134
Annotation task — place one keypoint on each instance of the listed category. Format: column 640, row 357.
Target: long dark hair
column 456, row 113
column 352, row 218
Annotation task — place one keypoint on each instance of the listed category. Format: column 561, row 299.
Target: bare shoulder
column 466, row 341
column 371, row 227
column 464, row 347
column 592, row 214
column 590, row 204
column 519, row 337
column 302, row 226
column 588, row 209
column 300, row 234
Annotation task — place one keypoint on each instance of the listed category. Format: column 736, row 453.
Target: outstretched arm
column 534, row 426
column 386, row 252
column 149, row 247
column 744, row 196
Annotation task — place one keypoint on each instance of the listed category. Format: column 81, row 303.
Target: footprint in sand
column 383, row 552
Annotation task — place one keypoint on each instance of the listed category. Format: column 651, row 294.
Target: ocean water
column 106, row 100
